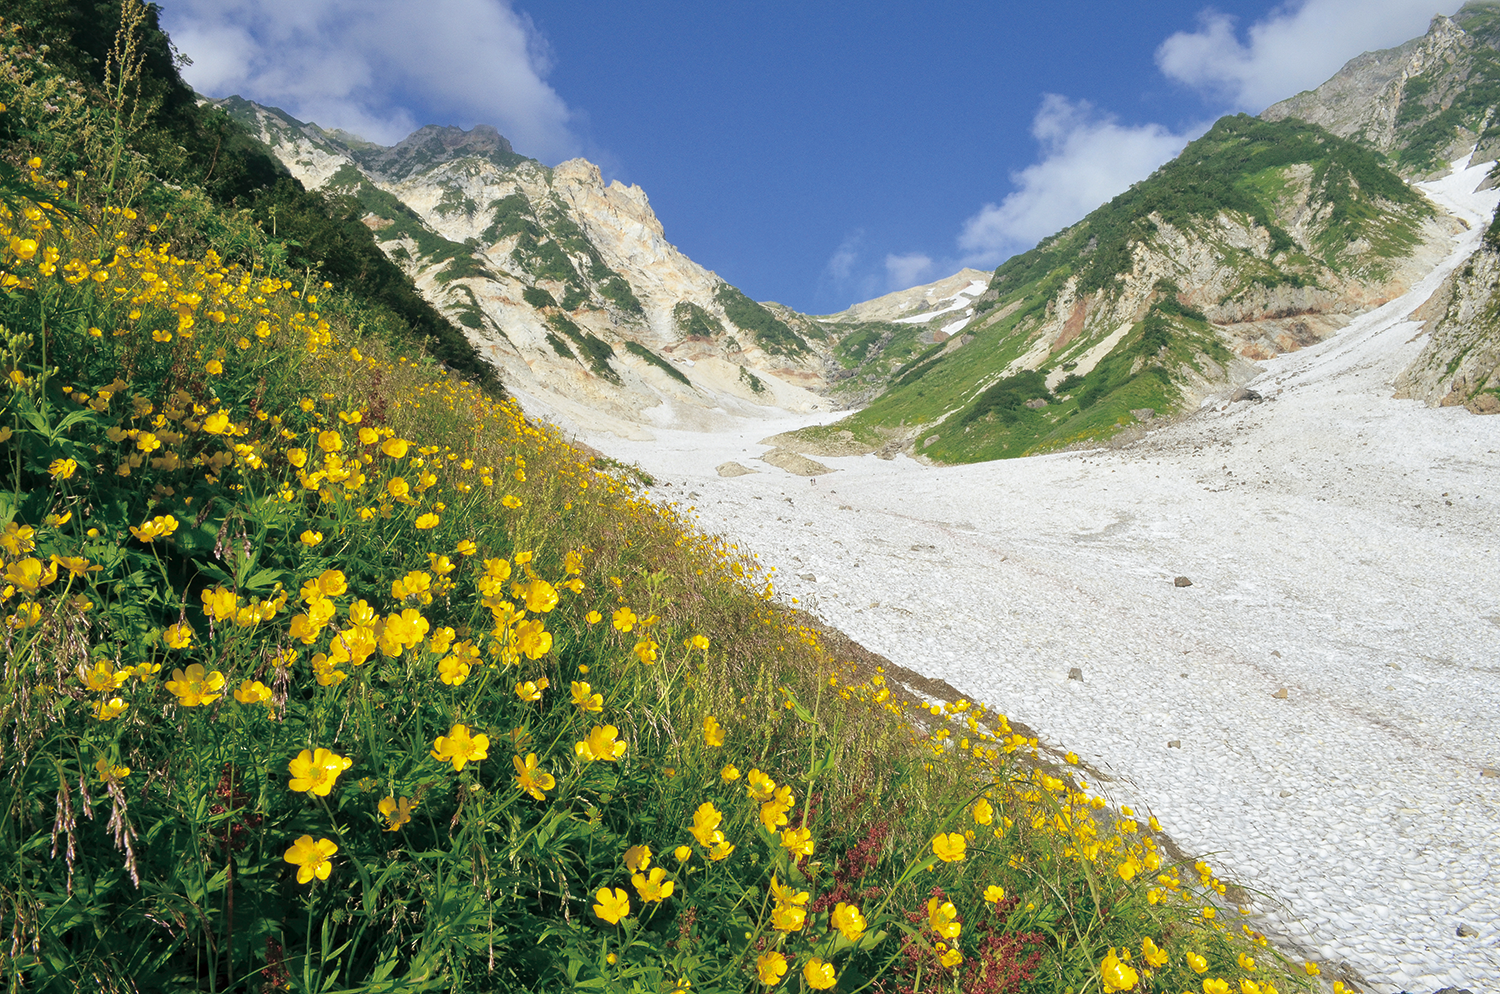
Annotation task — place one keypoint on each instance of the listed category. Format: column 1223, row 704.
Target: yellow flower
column 798, row 842
column 653, row 886
column 109, row 772
column 368, row 435
column 62, row 469
column 637, row 858
column 311, row 858
column 178, row 636
column 1311, row 969
column 949, row 957
column 788, row 918
column 683, row 853
column 593, row 617
column 585, row 698
column 540, row 597
column 460, row 748
column 395, row 811
column 510, row 501
column 1198, row 963
column 698, row 642
column 706, row 821
column 600, row 745
column 217, row 423
column 252, row 692
column 530, row 779
column 531, row 690
column 1215, row 986
column 624, row 619
column 759, row 786
column 773, row 813
column 949, row 847
column 613, row 905
column 730, row 773
column 194, row 687
column 847, row 919
column 943, row 917
column 397, row 487
column 110, row 709
column 994, row 894
column 310, row 538
column 158, row 527
column 1155, row 956
column 214, row 367
column 770, row 967
column 984, row 812
column 466, row 548
column 427, row 521
column 102, row 677
column 395, row 447
column 645, row 651
column 818, row 974
column 220, row 603
column 330, row 441
column 452, row 670
column 721, row 850
column 315, row 772
column 713, row 733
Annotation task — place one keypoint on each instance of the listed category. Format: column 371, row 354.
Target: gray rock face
column 1460, row 364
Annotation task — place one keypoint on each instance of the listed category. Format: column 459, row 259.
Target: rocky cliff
column 1460, row 363
column 1423, row 103
column 568, row 284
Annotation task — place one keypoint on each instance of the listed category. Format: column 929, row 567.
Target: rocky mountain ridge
column 567, row 284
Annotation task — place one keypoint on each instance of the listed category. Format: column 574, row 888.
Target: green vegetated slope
column 204, row 152
column 963, row 401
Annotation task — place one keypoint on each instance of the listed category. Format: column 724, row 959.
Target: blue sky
column 812, row 153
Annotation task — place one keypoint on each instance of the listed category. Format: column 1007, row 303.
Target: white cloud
column 903, row 271
column 1087, row 158
column 374, row 67
column 1295, row 47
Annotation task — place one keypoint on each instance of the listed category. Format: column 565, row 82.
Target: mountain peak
column 435, row 144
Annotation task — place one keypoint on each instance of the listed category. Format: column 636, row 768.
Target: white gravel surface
column 1341, row 545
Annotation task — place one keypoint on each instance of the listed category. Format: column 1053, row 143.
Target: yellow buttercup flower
column 1154, row 955
column 818, row 974
column 310, row 538
column 1197, row 963
column 396, row 811
column 584, row 697
column 942, row 916
column 613, row 905
column 983, row 811
column 730, row 773
column 427, row 521
column 847, row 919
column 62, row 469
column 770, row 967
column 530, row 779
column 158, row 527
column 705, row 827
column 798, row 842
column 314, row 772
column 460, row 748
column 311, row 858
column 713, row 733
column 178, row 636
column 653, row 886
column 994, row 894
column 109, row 772
column 759, row 786
column 195, row 687
column 949, row 847
column 624, row 619
column 600, row 745
column 637, row 858
column 252, row 692
column 110, row 709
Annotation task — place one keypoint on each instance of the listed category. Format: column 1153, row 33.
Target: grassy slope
column 1238, row 168
column 244, row 516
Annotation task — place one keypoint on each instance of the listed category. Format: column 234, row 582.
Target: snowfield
column 1341, row 546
